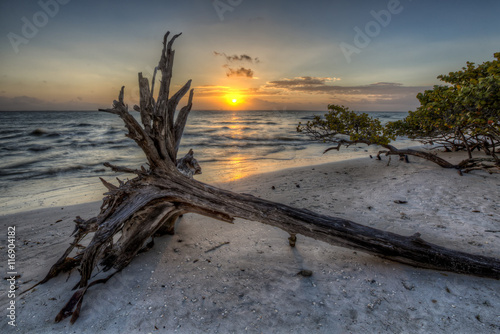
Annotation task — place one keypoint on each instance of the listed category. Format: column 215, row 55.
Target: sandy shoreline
column 251, row 284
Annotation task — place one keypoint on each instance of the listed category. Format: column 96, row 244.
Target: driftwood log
column 389, row 149
column 133, row 212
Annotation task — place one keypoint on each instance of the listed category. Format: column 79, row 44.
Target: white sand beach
column 251, row 284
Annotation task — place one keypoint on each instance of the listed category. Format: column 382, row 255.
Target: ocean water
column 55, row 158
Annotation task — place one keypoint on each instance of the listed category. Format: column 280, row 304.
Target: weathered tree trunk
column 151, row 202
column 391, row 150
column 466, row 142
column 465, row 166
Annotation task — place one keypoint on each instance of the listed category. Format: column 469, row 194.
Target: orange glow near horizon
column 234, row 99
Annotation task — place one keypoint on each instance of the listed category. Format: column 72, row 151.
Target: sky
column 241, row 54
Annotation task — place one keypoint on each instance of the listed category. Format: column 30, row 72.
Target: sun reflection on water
column 238, row 165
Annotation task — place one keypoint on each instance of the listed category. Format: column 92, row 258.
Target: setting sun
column 234, row 99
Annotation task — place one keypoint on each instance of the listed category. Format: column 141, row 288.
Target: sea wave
column 48, row 147
column 44, row 133
column 39, row 148
column 82, row 125
column 38, row 132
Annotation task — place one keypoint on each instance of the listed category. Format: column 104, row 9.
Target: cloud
column 239, row 72
column 304, row 81
column 21, row 103
column 236, row 58
column 33, row 103
column 319, row 85
column 211, row 91
column 375, row 96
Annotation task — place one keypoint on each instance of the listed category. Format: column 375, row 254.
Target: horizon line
column 278, row 110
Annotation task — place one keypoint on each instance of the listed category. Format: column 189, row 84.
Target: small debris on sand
column 305, row 273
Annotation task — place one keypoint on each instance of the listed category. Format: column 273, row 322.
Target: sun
column 234, row 100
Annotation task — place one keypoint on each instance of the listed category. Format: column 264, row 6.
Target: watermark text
column 11, row 275
column 31, row 26
column 221, row 7
column 363, row 37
